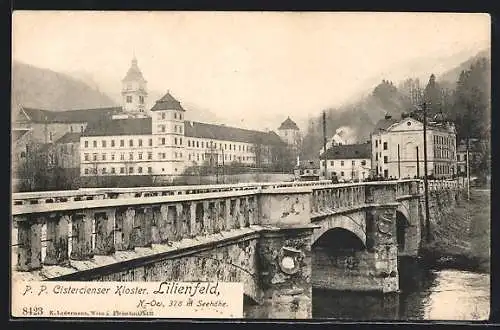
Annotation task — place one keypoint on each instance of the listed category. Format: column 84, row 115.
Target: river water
column 425, row 295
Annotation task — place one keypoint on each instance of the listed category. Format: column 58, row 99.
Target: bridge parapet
column 54, row 234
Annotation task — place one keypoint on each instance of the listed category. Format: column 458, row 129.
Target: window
column 95, row 157
column 122, row 170
column 376, row 143
column 189, row 143
column 122, row 143
column 140, row 155
column 197, row 144
column 86, row 171
column 164, row 155
column 23, row 154
column 150, row 169
column 163, row 141
column 112, row 170
column 162, row 128
column 131, row 170
column 175, row 116
column 163, row 115
column 86, row 144
column 385, row 145
column 139, row 169
column 86, row 157
column 122, row 156
column 386, row 173
column 342, row 173
column 81, row 129
column 180, row 117
column 150, row 142
column 230, row 147
column 376, row 156
column 385, row 160
column 341, row 163
column 331, row 163
column 131, row 143
column 150, row 155
column 104, row 143
column 180, row 129
column 112, row 156
column 95, row 144
column 353, row 162
column 112, row 143
column 363, row 162
column 131, row 156
column 202, row 144
column 140, row 142
column 103, row 170
column 103, row 156
column 180, row 141
column 129, row 98
column 141, row 99
column 175, row 141
column 458, row 157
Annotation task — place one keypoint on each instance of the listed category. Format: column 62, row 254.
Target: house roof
column 167, row 102
column 69, row 116
column 288, row 124
column 69, row 138
column 349, row 151
column 384, row 124
column 128, row 126
column 134, row 73
column 308, row 164
column 222, row 132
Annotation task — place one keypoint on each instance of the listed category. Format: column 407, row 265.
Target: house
column 348, row 162
column 398, row 148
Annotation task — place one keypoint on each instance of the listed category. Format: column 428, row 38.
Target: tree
column 433, row 96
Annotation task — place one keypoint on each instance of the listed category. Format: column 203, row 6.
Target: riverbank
column 461, row 238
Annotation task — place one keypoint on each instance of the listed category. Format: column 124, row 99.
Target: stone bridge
column 279, row 239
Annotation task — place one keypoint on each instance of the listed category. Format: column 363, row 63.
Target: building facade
column 398, row 148
column 161, row 142
column 347, row 162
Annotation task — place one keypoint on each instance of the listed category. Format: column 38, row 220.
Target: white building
column 162, row 142
column 398, row 148
column 349, row 162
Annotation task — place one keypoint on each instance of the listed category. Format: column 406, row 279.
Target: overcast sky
column 247, row 63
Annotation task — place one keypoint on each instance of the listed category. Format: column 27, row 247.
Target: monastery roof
column 226, row 133
column 69, row 138
column 349, row 151
column 288, row 124
column 167, row 102
column 69, row 116
column 128, row 126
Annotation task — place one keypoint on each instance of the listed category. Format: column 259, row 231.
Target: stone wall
column 230, row 263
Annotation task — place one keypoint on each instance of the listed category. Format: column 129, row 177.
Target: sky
column 240, row 63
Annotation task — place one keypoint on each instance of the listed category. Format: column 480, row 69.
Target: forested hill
column 43, row 88
column 454, row 92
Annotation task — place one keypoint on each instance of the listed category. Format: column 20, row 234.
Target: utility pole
column 467, row 166
column 426, row 184
column 324, row 142
column 418, row 165
column 399, row 164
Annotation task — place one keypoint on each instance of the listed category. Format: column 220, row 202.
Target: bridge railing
column 86, row 194
column 57, row 233
column 436, row 185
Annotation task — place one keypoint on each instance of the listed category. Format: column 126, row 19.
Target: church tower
column 134, row 91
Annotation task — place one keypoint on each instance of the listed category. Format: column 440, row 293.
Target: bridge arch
column 402, row 223
column 354, row 223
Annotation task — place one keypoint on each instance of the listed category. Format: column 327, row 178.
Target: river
column 425, row 295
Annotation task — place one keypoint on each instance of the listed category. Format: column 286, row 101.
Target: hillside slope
column 43, row 88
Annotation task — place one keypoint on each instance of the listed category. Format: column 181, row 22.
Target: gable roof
column 226, row 133
column 167, row 102
column 288, row 124
column 128, row 126
column 384, row 124
column 69, row 138
column 349, row 151
column 69, row 116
